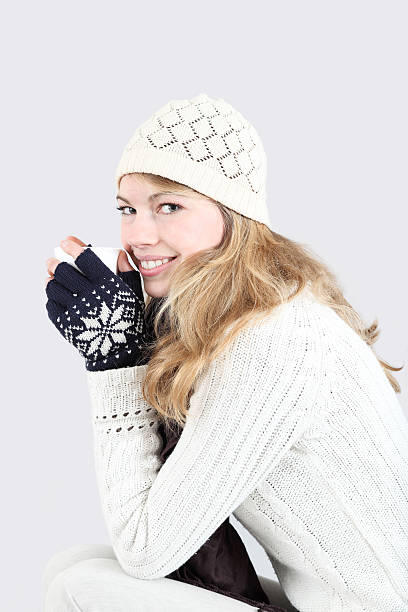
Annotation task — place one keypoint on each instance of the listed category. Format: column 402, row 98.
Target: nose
column 143, row 231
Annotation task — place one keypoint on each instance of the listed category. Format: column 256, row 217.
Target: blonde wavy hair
column 206, row 297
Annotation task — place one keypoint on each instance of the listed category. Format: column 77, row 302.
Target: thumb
column 123, row 263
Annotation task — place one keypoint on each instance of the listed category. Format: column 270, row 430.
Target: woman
column 289, row 420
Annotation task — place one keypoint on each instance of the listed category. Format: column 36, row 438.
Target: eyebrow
column 152, row 197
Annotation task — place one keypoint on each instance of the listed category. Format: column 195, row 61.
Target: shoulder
column 302, row 315
column 290, row 336
column 278, row 359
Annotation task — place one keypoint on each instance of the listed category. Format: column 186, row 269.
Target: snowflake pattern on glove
column 99, row 312
column 100, row 330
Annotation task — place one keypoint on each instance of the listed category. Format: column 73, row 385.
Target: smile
column 154, row 271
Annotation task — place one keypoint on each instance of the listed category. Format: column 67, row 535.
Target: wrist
column 121, row 359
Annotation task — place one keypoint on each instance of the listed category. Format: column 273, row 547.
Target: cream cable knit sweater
column 295, row 430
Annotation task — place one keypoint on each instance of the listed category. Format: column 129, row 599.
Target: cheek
column 185, row 238
column 124, row 237
column 208, row 232
column 198, row 233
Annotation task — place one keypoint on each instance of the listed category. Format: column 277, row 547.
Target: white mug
column 109, row 256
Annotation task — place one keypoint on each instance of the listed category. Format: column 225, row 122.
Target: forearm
column 159, row 515
column 127, row 448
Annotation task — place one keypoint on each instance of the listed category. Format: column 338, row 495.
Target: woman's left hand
column 99, row 312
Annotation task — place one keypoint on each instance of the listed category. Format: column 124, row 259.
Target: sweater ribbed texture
column 295, row 430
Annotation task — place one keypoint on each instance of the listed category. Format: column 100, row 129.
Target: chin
column 155, row 293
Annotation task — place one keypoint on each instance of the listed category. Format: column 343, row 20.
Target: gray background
column 324, row 83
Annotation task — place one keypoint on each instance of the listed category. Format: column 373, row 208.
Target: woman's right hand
column 99, row 312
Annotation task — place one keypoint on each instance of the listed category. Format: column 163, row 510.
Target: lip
column 153, row 257
column 155, row 271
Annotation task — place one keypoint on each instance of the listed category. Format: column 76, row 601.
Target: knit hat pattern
column 208, row 145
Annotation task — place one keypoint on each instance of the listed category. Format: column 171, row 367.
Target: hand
column 123, row 262
column 99, row 312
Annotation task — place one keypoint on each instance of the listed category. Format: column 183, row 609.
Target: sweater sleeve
column 249, row 406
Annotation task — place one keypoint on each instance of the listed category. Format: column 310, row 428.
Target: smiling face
column 163, row 226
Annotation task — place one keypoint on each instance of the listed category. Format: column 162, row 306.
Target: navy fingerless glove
column 99, row 312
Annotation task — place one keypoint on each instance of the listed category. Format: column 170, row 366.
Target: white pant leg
column 100, row 585
column 68, row 557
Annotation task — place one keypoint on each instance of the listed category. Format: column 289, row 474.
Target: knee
column 58, row 598
column 89, row 584
column 69, row 556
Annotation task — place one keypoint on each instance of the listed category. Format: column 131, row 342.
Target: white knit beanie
column 206, row 144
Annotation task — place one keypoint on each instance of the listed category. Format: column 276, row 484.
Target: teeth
column 148, row 265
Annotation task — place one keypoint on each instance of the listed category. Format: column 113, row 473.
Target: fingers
column 123, row 263
column 52, row 263
column 77, row 240
column 55, row 312
column 66, row 275
column 73, row 247
column 92, row 266
column 70, row 278
column 58, row 294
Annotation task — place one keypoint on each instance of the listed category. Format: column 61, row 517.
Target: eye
column 123, row 208
column 169, row 204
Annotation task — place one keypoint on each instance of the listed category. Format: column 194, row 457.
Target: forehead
column 137, row 183
column 137, row 188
